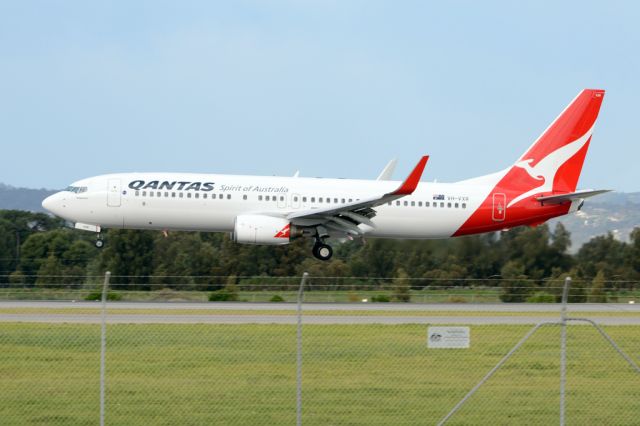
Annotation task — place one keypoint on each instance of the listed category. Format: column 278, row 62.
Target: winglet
column 411, row 182
column 387, row 172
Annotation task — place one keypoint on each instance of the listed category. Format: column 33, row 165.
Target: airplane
column 272, row 210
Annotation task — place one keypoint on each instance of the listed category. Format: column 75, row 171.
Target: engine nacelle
column 261, row 229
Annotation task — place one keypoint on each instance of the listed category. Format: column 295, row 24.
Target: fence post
column 563, row 347
column 103, row 342
column 299, row 352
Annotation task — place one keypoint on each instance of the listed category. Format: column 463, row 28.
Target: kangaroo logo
column 284, row 232
column 547, row 168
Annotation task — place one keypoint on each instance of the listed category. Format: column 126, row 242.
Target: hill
column 12, row 198
column 615, row 212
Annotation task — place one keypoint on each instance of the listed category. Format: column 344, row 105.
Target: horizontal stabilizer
column 562, row 198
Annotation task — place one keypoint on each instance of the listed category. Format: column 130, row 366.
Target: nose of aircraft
column 53, row 203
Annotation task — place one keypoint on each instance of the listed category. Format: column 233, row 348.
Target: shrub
column 541, row 297
column 353, row 297
column 276, row 298
column 381, row 298
column 223, row 295
column 97, row 295
column 456, row 299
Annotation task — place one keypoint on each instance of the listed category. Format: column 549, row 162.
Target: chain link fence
column 245, row 364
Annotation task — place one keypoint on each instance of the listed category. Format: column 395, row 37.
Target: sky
column 330, row 88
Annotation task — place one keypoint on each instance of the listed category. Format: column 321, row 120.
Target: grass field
column 352, row 375
column 436, row 295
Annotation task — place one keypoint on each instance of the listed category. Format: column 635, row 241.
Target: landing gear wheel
column 99, row 243
column 322, row 251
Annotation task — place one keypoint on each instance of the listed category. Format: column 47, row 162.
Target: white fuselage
column 141, row 201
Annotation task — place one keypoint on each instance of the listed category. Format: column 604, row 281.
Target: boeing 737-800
column 269, row 210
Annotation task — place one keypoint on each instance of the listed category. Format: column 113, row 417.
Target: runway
column 355, row 313
column 403, row 307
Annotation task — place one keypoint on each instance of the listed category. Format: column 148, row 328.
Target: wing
column 346, row 217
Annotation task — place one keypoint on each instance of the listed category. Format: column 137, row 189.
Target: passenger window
column 350, row 200
column 205, row 196
column 313, row 199
column 426, row 204
column 197, row 195
column 296, row 199
column 244, row 197
column 281, row 198
column 413, row 204
column 144, row 193
column 435, row 204
column 449, row 205
column 320, row 199
column 304, row 199
column 228, row 196
column 166, row 194
column 150, row 193
column 419, row 203
column 441, row 204
column 137, row 193
column 159, row 194
column 188, row 195
column 464, row 205
column 267, row 198
column 335, row 200
column 173, row 195
column 397, row 203
column 406, row 203
column 456, row 205
column 213, row 196
column 259, row 197
column 181, row 194
column 343, row 201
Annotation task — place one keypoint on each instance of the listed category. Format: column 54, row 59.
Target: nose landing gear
column 99, row 242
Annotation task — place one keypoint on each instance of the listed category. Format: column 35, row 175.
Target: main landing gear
column 322, row 251
column 99, row 242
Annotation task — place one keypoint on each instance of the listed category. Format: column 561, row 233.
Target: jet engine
column 262, row 229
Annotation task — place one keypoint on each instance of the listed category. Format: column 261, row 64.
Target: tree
column 515, row 287
column 401, row 287
column 50, row 272
column 129, row 256
column 597, row 293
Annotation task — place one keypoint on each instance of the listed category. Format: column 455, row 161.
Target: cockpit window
column 76, row 189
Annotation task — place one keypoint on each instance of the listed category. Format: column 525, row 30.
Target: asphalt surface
column 403, row 307
column 404, row 313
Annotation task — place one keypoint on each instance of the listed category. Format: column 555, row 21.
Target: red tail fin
column 554, row 162
column 551, row 166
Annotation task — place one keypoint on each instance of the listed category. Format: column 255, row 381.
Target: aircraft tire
column 322, row 251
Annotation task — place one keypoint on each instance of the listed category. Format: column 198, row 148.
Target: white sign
column 448, row 337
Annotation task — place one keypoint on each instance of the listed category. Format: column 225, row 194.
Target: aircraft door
column 499, row 207
column 282, row 201
column 113, row 193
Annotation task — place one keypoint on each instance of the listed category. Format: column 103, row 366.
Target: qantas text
column 178, row 185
